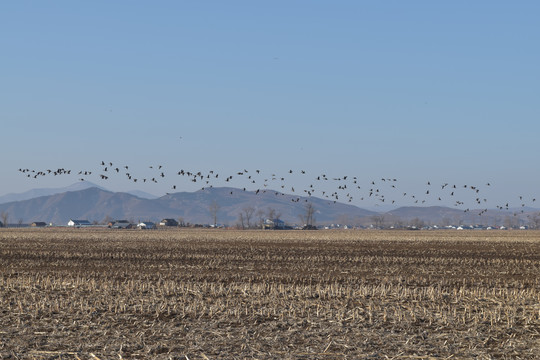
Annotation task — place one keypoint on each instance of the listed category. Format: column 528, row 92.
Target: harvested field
column 216, row 294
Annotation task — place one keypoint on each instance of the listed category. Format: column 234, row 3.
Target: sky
column 419, row 91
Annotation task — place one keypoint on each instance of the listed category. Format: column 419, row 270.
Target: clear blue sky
column 445, row 92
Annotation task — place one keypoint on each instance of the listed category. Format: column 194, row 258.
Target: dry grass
column 185, row 294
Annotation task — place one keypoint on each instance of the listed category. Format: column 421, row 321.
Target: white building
column 79, row 223
column 146, row 225
column 273, row 224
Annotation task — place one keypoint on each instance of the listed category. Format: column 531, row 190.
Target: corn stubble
column 212, row 294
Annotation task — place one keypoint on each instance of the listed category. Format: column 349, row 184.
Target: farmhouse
column 79, row 223
column 273, row 224
column 168, row 222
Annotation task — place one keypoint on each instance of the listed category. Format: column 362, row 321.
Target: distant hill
column 59, row 208
column 445, row 215
column 81, row 185
column 97, row 204
column 428, row 213
column 142, row 194
column 231, row 201
column 34, row 193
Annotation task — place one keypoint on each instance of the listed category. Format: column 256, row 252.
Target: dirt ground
column 220, row 294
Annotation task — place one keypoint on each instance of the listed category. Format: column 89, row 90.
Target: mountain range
column 93, row 203
column 81, row 185
column 96, row 204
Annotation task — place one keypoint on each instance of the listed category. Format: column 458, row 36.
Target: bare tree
column 248, row 214
column 446, row 221
column 458, row 220
column 241, row 220
column 507, row 222
column 20, row 221
column 534, row 221
column 307, row 218
column 378, row 220
column 310, row 212
column 271, row 213
column 107, row 219
column 5, row 217
column 344, row 219
column 181, row 222
column 214, row 208
column 397, row 223
column 511, row 222
column 417, row 223
column 260, row 217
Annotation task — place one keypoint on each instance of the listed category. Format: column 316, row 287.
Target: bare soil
column 220, row 294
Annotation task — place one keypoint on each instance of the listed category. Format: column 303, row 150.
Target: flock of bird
column 342, row 189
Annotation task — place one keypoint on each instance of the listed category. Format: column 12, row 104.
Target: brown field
column 216, row 294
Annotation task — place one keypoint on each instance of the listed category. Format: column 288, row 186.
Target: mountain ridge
column 80, row 185
column 98, row 204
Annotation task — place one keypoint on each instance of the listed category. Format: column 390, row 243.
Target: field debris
column 203, row 294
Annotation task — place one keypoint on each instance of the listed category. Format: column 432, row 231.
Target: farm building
column 120, row 224
column 273, row 224
column 38, row 224
column 79, row 223
column 146, row 225
column 168, row 222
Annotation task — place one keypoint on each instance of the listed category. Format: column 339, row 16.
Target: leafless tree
column 248, row 214
column 272, row 214
column 181, row 222
column 378, row 220
column 458, row 220
column 260, row 217
column 307, row 218
column 446, row 221
column 5, row 217
column 511, row 222
column 20, row 221
column 398, row 223
column 417, row 223
column 507, row 222
column 534, row 221
column 214, row 208
column 241, row 220
column 344, row 219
